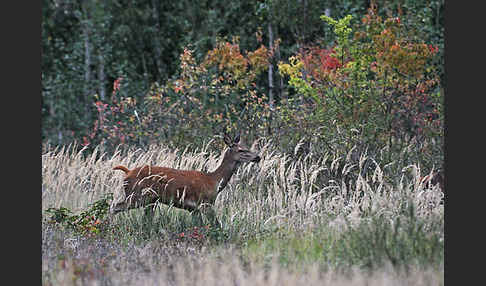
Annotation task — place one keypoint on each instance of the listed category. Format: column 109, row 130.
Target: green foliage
column 380, row 85
column 354, row 78
column 215, row 95
column 370, row 244
column 399, row 242
column 89, row 222
column 342, row 32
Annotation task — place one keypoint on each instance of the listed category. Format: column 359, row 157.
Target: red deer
column 435, row 178
column 185, row 189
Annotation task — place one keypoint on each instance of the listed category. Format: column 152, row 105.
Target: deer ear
column 237, row 139
column 227, row 140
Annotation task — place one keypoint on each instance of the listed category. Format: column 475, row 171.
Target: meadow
column 318, row 219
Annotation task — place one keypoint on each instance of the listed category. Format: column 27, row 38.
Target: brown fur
column 168, row 183
column 186, row 189
column 123, row 168
column 437, row 177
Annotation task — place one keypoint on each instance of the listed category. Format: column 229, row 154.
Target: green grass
column 370, row 245
column 282, row 222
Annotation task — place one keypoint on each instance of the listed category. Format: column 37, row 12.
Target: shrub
column 378, row 85
column 218, row 94
column 88, row 222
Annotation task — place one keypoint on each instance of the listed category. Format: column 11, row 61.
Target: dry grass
column 279, row 195
column 151, row 265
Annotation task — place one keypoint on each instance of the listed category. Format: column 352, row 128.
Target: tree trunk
column 87, row 61
column 270, row 76
column 84, row 98
column 281, row 94
column 305, row 23
column 270, row 67
column 158, row 49
column 145, row 71
column 327, row 12
column 101, row 76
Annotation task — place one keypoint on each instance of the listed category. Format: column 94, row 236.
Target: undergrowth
column 316, row 212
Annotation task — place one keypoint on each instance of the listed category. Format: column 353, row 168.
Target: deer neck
column 223, row 173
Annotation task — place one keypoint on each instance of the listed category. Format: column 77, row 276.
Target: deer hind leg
column 197, row 217
column 208, row 215
column 147, row 218
column 149, row 213
column 150, row 202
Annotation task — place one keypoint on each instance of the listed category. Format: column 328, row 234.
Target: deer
column 190, row 190
column 436, row 178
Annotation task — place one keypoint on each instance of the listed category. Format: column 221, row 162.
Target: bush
column 378, row 87
column 89, row 222
column 217, row 95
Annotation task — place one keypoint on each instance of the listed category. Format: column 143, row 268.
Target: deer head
column 237, row 152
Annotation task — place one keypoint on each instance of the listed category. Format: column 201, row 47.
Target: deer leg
column 149, row 213
column 197, row 217
column 209, row 215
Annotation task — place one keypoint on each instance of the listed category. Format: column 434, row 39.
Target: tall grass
column 159, row 262
column 296, row 217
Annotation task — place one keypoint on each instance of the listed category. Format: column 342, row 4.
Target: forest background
column 315, row 74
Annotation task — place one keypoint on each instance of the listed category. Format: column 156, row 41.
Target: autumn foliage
column 377, row 80
column 208, row 97
column 374, row 85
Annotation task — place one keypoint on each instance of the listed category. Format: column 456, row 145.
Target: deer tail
column 123, row 168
